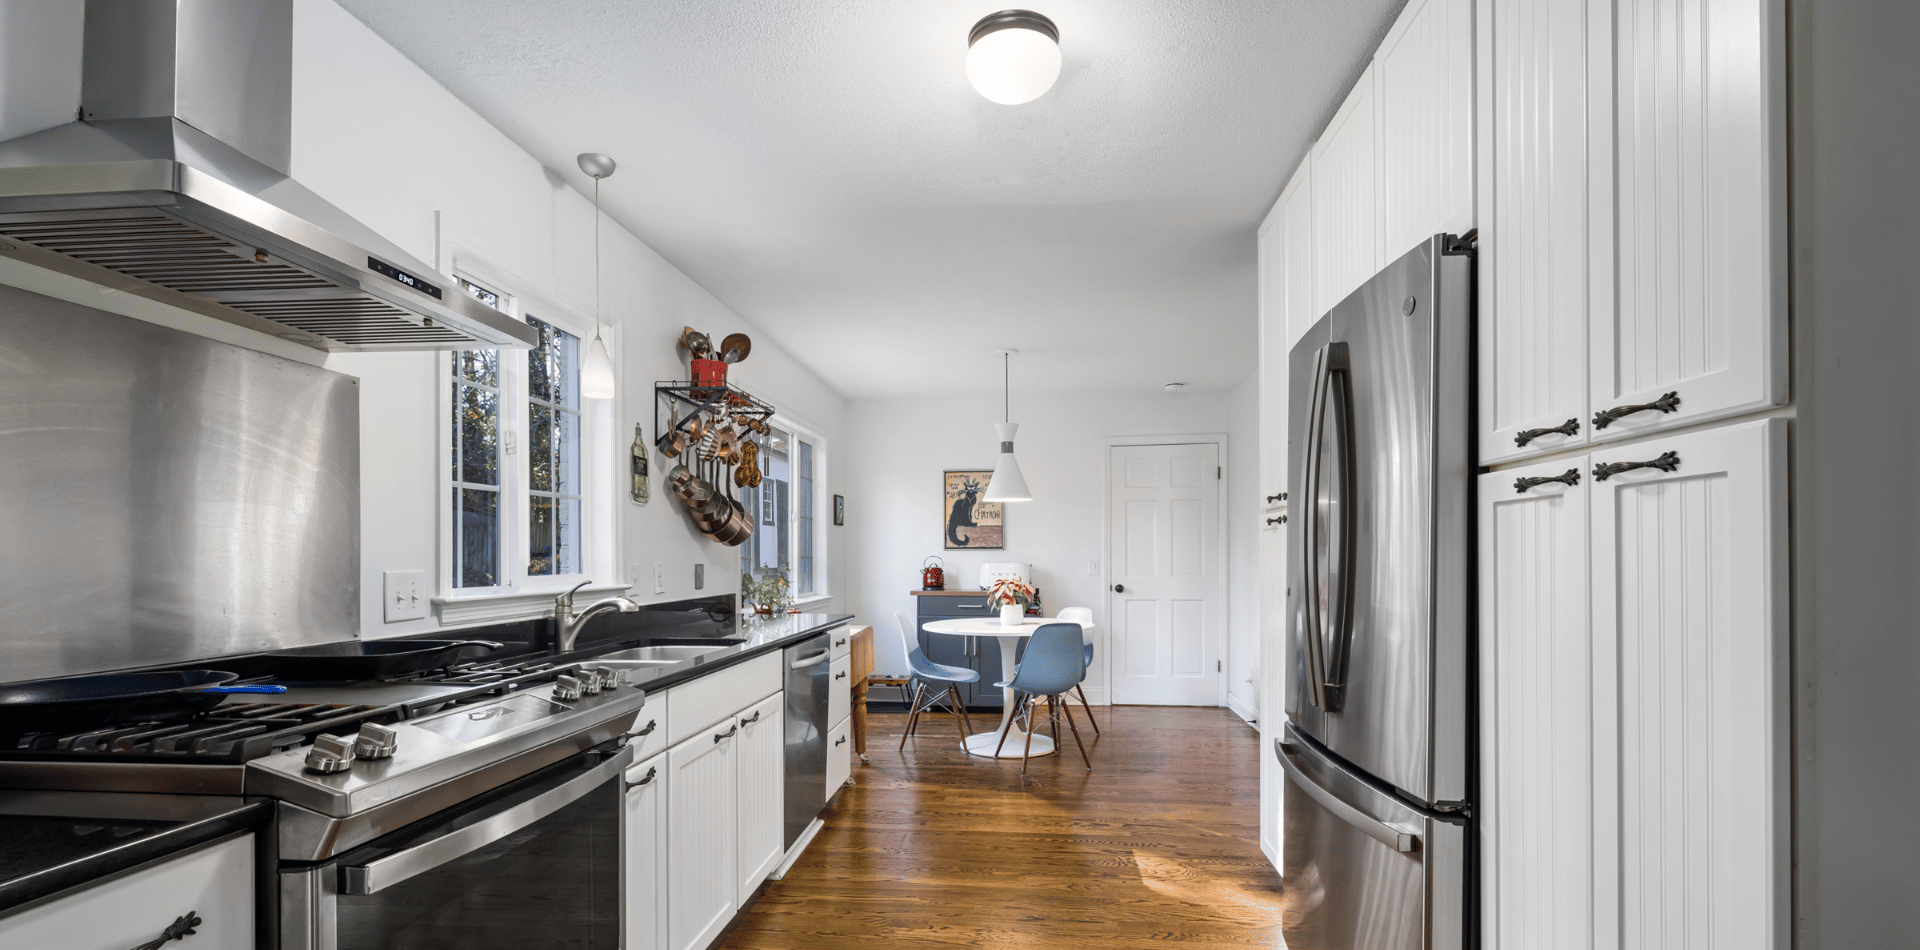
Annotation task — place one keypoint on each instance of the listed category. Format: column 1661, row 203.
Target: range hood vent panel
column 158, row 200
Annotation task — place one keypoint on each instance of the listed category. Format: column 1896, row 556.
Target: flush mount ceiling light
column 1013, row 56
column 596, row 374
column 1007, row 484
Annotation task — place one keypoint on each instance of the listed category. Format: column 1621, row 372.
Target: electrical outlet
column 659, row 577
column 404, row 595
column 1093, row 566
column 699, row 577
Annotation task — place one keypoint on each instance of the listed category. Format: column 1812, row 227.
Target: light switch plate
column 699, row 577
column 404, row 594
column 659, row 577
column 1093, row 566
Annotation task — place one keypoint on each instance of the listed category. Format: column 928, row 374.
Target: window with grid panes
column 785, row 539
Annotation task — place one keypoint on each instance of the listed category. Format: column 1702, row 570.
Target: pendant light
column 596, row 371
column 1013, row 56
column 1007, row 484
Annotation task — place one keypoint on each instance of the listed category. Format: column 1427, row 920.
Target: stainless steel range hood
column 173, row 185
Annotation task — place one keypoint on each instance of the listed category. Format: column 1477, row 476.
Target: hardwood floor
column 931, row 847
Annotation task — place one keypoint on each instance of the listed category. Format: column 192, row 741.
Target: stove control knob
column 375, row 742
column 611, row 678
column 330, row 754
column 566, row 688
column 589, row 681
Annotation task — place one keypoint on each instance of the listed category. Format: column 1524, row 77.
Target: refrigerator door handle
column 1397, row 837
column 1333, row 668
column 1309, row 560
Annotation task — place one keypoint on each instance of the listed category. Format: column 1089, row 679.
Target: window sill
column 514, row 605
column 813, row 600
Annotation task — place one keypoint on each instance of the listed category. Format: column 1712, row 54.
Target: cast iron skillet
column 116, row 697
column 368, row 659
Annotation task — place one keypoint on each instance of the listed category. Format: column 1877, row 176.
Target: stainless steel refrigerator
column 1377, row 816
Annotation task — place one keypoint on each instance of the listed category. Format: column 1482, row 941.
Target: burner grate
column 233, row 733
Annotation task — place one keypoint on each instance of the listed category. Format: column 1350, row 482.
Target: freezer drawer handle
column 1667, row 462
column 814, row 660
column 1570, row 427
column 1667, row 403
column 1569, row 478
column 1398, row 838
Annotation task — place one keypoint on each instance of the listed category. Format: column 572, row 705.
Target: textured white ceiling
column 823, row 167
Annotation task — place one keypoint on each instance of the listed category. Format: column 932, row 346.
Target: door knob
column 1119, row 588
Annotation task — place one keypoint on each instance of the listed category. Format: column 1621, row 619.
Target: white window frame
column 803, row 431
column 521, row 596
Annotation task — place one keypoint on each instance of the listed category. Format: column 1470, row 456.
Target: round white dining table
column 983, row 743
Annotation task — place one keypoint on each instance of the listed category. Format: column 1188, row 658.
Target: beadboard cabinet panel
column 644, row 834
column 1346, row 205
column 1533, row 252
column 760, row 751
column 1285, row 252
column 1691, row 771
column 703, row 787
column 1425, row 73
column 1536, row 659
column 1688, row 213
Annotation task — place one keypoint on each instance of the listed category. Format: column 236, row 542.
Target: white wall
column 899, row 447
column 1243, row 549
column 40, row 68
column 378, row 137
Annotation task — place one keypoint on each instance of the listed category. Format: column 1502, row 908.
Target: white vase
column 1010, row 614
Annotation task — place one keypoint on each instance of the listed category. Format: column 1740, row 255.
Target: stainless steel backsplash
column 166, row 497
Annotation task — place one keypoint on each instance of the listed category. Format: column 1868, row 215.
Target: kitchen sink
column 655, row 656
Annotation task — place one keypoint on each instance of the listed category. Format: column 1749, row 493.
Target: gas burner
column 231, row 733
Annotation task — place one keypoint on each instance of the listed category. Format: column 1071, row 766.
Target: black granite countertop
column 756, row 635
column 52, row 841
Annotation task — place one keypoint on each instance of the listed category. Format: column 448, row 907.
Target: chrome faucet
column 567, row 624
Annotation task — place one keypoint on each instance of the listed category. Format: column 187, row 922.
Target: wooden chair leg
column 961, row 705
column 959, row 714
column 1024, row 753
column 913, row 716
column 1076, row 737
column 1088, row 707
column 1004, row 730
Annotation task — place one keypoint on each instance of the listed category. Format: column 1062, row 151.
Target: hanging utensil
column 735, row 347
column 696, row 343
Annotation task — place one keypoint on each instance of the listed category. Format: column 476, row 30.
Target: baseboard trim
column 1244, row 710
column 799, row 847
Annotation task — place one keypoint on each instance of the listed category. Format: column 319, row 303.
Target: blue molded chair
column 1054, row 663
column 1083, row 616
column 922, row 671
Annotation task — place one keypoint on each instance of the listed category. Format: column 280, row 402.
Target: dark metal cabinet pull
column 1667, row 403
column 180, row 929
column 1277, row 519
column 1570, row 478
column 839, row 676
column 840, row 741
column 750, row 720
column 725, row 735
column 1667, row 462
column 627, row 737
column 1273, row 498
column 652, row 773
column 1570, row 427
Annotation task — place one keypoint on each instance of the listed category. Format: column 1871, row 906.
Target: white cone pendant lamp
column 596, row 371
column 1007, row 483
column 1013, row 56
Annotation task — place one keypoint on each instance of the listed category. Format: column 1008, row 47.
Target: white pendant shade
column 596, row 371
column 1013, row 66
column 1007, row 483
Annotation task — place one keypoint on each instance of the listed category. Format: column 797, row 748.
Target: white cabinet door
column 1346, row 206
column 1296, row 257
column 759, row 749
column 1533, row 250
column 1536, row 711
column 1271, row 330
column 839, row 756
column 643, row 836
column 702, row 847
column 1274, row 656
column 1690, row 664
column 1424, row 69
column 1689, row 244
column 214, row 882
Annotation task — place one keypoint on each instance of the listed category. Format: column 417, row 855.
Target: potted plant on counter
column 766, row 594
column 1012, row 597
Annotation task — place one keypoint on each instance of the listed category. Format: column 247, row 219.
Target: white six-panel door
column 1165, row 531
column 1533, row 251
column 1690, row 666
column 1689, row 244
column 1536, row 661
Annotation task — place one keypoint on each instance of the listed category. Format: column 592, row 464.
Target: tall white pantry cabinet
column 1624, row 162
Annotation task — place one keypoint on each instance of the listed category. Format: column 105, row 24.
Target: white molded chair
column 1082, row 615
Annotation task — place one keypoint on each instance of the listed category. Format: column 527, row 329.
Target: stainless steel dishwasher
column 808, row 686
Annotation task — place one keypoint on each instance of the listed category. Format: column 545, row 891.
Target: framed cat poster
column 972, row 524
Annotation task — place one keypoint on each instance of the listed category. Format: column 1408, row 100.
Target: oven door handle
column 384, row 872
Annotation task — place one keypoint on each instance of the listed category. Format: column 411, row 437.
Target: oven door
column 534, row 863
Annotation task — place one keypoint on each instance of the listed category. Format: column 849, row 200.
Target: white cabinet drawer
column 842, row 642
column 840, row 689
column 214, row 882
column 839, row 755
column 716, row 696
column 650, row 727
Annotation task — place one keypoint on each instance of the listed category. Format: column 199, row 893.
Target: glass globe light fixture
column 1013, row 56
